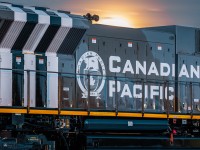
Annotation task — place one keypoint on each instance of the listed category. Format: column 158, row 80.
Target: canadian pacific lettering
column 94, row 66
column 166, row 69
column 150, row 91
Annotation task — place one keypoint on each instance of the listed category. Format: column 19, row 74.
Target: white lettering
column 140, row 67
column 111, row 60
column 126, row 91
column 194, row 71
column 161, row 92
column 173, row 70
column 154, row 91
column 165, row 68
column 184, row 71
column 112, row 87
column 135, row 89
column 153, row 69
column 146, row 91
column 164, row 72
column 171, row 97
column 171, row 89
column 128, row 67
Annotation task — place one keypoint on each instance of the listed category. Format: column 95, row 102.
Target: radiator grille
column 58, row 39
column 71, row 41
column 23, row 37
column 4, row 28
column 12, row 34
column 35, row 37
column 47, row 38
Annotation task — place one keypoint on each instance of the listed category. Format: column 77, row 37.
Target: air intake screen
column 23, row 37
column 4, row 28
column 71, row 41
column 47, row 38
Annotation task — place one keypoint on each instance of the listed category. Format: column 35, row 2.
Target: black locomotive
column 67, row 83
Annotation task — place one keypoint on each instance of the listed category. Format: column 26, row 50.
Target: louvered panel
column 71, row 41
column 46, row 39
column 58, row 39
column 12, row 35
column 4, row 28
column 35, row 37
column 24, row 35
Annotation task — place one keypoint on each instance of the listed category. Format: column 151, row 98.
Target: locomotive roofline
column 68, row 84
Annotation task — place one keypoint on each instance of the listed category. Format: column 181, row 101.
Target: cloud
column 93, row 10
column 155, row 10
column 107, row 17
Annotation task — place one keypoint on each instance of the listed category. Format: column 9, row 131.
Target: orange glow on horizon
column 132, row 14
column 115, row 21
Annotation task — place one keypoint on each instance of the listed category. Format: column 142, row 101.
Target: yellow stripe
column 107, row 114
column 122, row 114
column 43, row 112
column 14, row 111
column 155, row 115
column 196, row 117
column 74, row 113
column 180, row 116
column 95, row 113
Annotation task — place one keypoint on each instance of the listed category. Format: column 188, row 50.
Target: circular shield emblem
column 91, row 74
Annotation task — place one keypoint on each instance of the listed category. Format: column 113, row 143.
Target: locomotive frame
column 67, row 83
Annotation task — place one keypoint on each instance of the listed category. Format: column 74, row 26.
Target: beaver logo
column 91, row 74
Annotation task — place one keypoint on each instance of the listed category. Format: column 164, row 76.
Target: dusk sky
column 130, row 13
